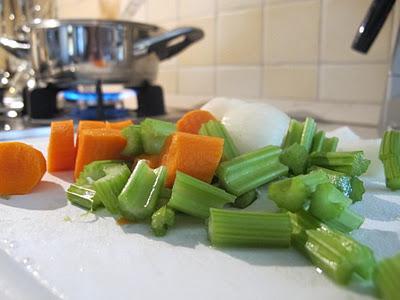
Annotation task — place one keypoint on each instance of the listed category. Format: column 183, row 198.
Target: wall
column 280, row 49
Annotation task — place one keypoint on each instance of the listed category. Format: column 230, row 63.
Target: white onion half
column 219, row 106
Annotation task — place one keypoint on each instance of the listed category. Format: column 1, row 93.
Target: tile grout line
column 216, row 39
column 262, row 69
column 178, row 63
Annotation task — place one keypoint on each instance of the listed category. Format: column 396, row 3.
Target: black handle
column 372, row 24
column 163, row 44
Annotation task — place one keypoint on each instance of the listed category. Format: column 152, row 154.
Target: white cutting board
column 48, row 249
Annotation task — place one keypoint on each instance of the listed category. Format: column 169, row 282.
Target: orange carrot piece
column 98, row 144
column 192, row 121
column 88, row 124
column 21, row 168
column 61, row 151
column 153, row 159
column 119, row 124
column 193, row 154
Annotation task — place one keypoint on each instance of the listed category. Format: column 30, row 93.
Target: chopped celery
column 134, row 145
column 350, row 163
column 307, row 135
column 314, row 178
column 293, row 134
column 357, row 189
column 139, row 197
column 251, row 170
column 327, row 202
column 83, row 196
column 162, row 220
column 338, row 255
column 346, row 222
column 246, row 199
column 340, row 180
column 154, row 133
column 387, row 278
column 248, row 229
column 295, row 157
column 195, row 197
column 109, row 187
column 95, row 170
column 165, row 193
column 301, row 133
column 330, row 144
column 389, row 154
column 216, row 129
column 318, row 141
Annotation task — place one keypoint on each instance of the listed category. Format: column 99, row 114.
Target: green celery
column 195, row 197
column 109, row 187
column 139, row 197
column 95, row 170
column 301, row 133
column 165, row 193
column 357, row 189
column 307, row 135
column 83, row 196
column 389, row 154
column 330, row 144
column 318, row 141
column 314, row 178
column 346, row 222
column 134, row 145
column 392, row 172
column 295, row 157
column 350, row 163
column 228, row 228
column 338, row 255
column 154, row 133
column 251, row 170
column 340, row 180
column 246, row 199
column 293, row 134
column 387, row 278
column 162, row 220
column 216, row 129
column 327, row 202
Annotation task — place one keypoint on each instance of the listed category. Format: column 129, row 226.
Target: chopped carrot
column 88, row 124
column 192, row 121
column 21, row 168
column 98, row 144
column 153, row 160
column 61, row 151
column 195, row 155
column 119, row 124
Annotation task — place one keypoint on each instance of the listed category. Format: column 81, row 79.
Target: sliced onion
column 219, row 106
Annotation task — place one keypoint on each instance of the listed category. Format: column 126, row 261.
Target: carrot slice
column 192, row 121
column 88, row 124
column 195, row 155
column 61, row 151
column 152, row 159
column 98, row 144
column 21, row 168
column 119, row 124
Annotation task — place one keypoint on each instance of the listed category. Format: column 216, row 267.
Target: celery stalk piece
column 246, row 199
column 340, row 180
column 301, row 133
column 295, row 157
column 390, row 145
column 308, row 133
column 314, row 178
column 139, row 197
column 154, row 133
column 95, row 170
column 293, row 134
column 83, row 196
column 389, row 154
column 195, row 197
column 109, row 187
column 327, row 202
column 330, row 144
column 289, row 193
column 392, row 172
column 162, row 220
column 228, row 228
column 251, row 170
column 217, row 129
column 134, row 145
column 318, row 141
column 347, row 221
column 350, row 163
column 387, row 278
column 338, row 255
column 357, row 189
column 165, row 193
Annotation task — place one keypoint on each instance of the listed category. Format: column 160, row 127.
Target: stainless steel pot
column 68, row 51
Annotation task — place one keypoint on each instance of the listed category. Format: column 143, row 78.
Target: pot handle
column 162, row 46
column 20, row 49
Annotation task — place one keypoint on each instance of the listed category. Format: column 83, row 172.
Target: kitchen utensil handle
column 164, row 45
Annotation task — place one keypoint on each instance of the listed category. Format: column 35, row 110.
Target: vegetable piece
column 347, row 221
column 192, row 154
column 295, row 157
column 153, row 160
column 301, row 133
column 246, row 199
column 338, row 255
column 195, row 197
column 154, row 133
column 110, row 186
column 227, row 228
column 327, row 202
column 293, row 134
column 61, row 151
column 83, row 196
column 314, row 178
column 216, row 129
column 133, row 137
column 95, row 170
column 139, row 197
column 318, row 141
column 389, row 154
column 309, row 128
column 387, row 278
column 350, row 163
column 193, row 120
column 219, row 106
column 340, row 180
column 88, row 124
column 21, row 168
column 119, row 124
column 330, row 144
column 162, row 220
column 251, row 170
column 98, row 144
column 357, row 189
